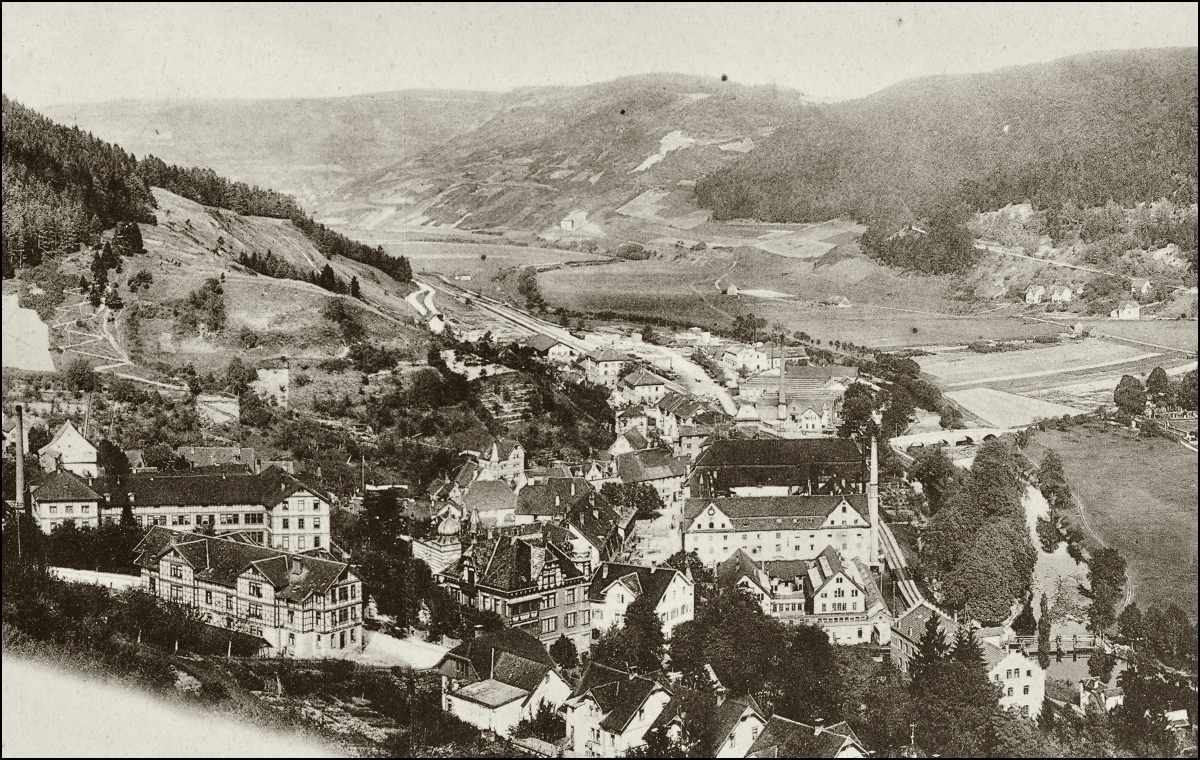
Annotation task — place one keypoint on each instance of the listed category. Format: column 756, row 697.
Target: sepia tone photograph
column 569, row 380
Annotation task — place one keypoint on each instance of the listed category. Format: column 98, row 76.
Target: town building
column 603, row 366
column 657, row 468
column 499, row 679
column 597, row 530
column 738, row 358
column 771, row 528
column 731, row 726
column 691, row 440
column 1034, row 294
column 789, row 738
column 62, row 496
column 1141, row 288
column 531, row 581
column 211, row 456
column 274, row 508
column 497, row 458
column 610, row 711
column 1127, row 310
column 679, row 410
column 1022, row 681
column 302, row 605
column 643, row 387
column 615, row 586
column 632, row 418
column 629, row 441
column 551, row 349
column 1093, row 691
column 491, row 502
column 442, row 549
column 778, row 467
column 70, row 450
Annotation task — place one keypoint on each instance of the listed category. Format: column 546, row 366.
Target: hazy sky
column 65, row 53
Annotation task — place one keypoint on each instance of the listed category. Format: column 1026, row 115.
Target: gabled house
column 610, row 711
column 1061, row 294
column 1035, row 294
column 1127, row 310
column 629, row 441
column 615, row 586
column 69, row 450
column 789, row 738
column 1141, row 288
column 730, row 724
column 743, row 357
column 301, row 605
column 843, row 598
column 497, row 459
column 678, row 410
column 643, row 387
column 492, row 502
column 1095, row 691
column 499, row 679
column 632, row 418
column 532, row 581
column 1022, row 681
column 551, row 349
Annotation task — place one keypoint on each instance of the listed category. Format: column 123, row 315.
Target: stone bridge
column 965, row 437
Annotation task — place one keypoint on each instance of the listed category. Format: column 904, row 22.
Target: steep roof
column 541, row 342
column 267, row 488
column 789, row 738
column 221, row 560
column 739, row 565
column 64, row 486
column 649, row 464
column 771, row 452
column 635, row 439
column 64, row 429
column 912, row 624
column 489, row 496
column 595, row 519
column 554, row 497
column 510, row 656
column 511, row 563
column 202, row 456
column 619, row 694
column 685, row 406
column 763, row 512
column 650, row 582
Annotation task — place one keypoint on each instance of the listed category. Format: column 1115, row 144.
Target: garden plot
column 1007, row 410
column 970, row 368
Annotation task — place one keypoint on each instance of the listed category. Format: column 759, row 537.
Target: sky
column 87, row 52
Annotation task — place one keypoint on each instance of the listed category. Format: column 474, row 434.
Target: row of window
column 570, row 620
column 69, row 509
column 285, row 542
column 302, row 504
column 550, row 601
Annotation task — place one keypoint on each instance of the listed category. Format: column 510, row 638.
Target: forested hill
column 1115, row 126
column 62, row 187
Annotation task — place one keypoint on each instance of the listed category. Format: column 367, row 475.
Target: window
column 1025, row 690
column 570, row 596
column 753, row 733
column 1010, row 691
column 353, row 591
column 860, row 633
column 291, row 617
column 343, row 593
column 176, row 571
column 353, row 635
column 316, row 542
column 549, row 625
column 208, row 597
column 70, row 510
column 1029, row 674
column 286, row 523
column 181, row 520
column 549, row 601
column 570, row 619
column 316, row 523
column 229, row 519
column 229, row 602
column 291, row 639
column 587, row 617
column 255, row 611
column 300, row 542
column 287, row 544
column 300, row 504
column 256, row 590
column 1008, row 674
column 177, row 593
column 152, row 585
column 85, row 509
column 822, row 608
column 256, row 519
column 300, row 523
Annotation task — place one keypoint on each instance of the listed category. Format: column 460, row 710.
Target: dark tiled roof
column 631, row 412
column 595, row 519
column 220, row 560
column 650, row 464
column 509, row 655
column 202, row 456
column 554, row 497
column 466, row 474
column 489, row 496
column 608, row 354
column 912, row 624
column 619, row 694
column 645, row 581
column 792, row 512
column 789, row 738
column 64, row 486
column 685, row 406
column 642, row 377
column 635, row 439
column 541, row 342
column 769, row 452
column 510, row 563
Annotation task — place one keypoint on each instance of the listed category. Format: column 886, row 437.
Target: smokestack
column 873, row 502
column 21, row 504
column 572, row 486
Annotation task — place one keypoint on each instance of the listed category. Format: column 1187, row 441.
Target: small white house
column 615, row 586
column 1140, row 288
column 1035, row 294
column 70, row 451
column 1061, row 294
column 1127, row 310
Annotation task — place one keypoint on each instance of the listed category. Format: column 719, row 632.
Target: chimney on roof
column 572, row 487
column 297, row 567
column 604, row 571
column 557, row 500
column 20, row 460
column 818, row 726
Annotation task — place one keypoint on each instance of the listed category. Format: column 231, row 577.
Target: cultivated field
column 465, row 258
column 1007, row 410
column 1139, row 496
column 963, row 368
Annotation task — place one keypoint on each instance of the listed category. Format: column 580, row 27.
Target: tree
column 81, row 376
column 643, row 632
column 858, row 409
column 966, row 648
column 355, row 289
column 1106, row 578
column 1101, row 664
column 545, row 724
column 931, row 650
column 1130, row 396
column 1185, row 396
column 940, row 479
column 564, row 653
column 110, row 457
column 1043, row 632
column 640, row 497
column 37, row 437
column 685, row 561
column 1158, row 385
column 1025, row 624
column 1129, row 623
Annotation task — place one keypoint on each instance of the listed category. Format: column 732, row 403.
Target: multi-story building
column 63, row 496
column 603, row 366
column 302, row 605
column 657, row 468
column 532, row 581
column 69, row 450
column 643, row 387
column 1022, row 681
column 272, row 507
column 790, row 738
column 771, row 528
column 610, row 711
column 678, row 410
column 614, row 587
column 498, row 459
column 551, row 349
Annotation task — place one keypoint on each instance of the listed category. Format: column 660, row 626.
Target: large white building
column 301, row 605
column 69, row 450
